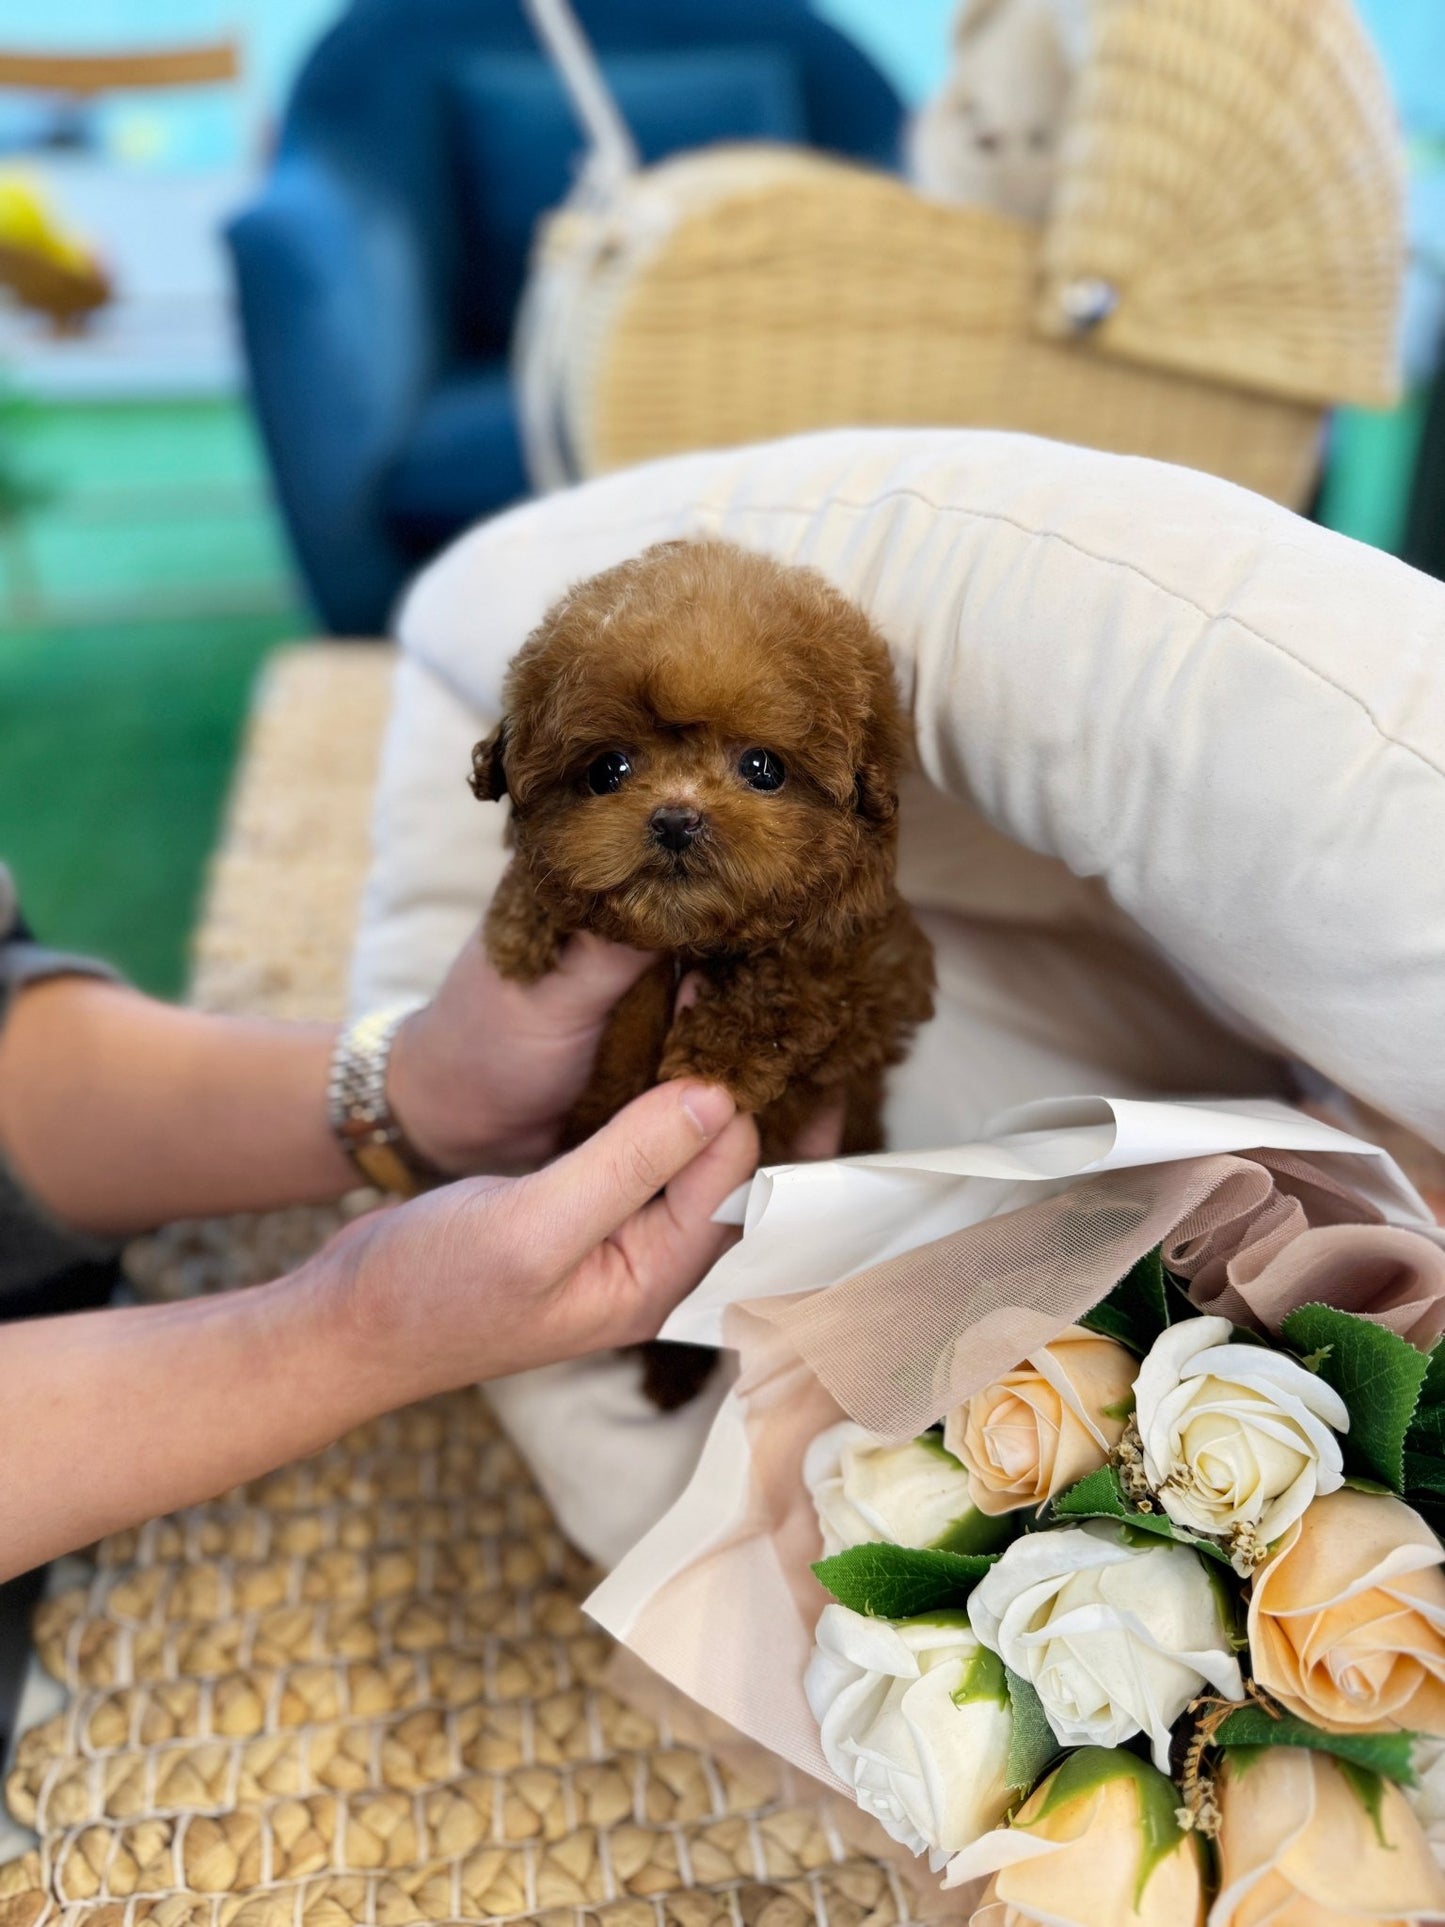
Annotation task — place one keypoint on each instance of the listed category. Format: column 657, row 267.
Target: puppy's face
column 702, row 749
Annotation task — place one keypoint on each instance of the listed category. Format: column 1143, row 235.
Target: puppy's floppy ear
column 875, row 793
column 884, row 750
column 489, row 770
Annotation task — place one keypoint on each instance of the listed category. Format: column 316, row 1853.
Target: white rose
column 914, row 1718
column 1237, row 1439
column 1116, row 1639
column 915, row 1494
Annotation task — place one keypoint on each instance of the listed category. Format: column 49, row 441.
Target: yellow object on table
column 42, row 264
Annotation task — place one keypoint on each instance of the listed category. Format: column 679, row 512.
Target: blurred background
column 260, row 265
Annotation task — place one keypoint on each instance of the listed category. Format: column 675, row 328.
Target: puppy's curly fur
column 702, row 749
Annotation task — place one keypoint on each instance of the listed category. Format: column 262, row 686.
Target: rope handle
column 612, row 151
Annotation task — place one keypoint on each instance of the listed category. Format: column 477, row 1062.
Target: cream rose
column 1044, row 1425
column 1116, row 1639
column 1096, row 1845
column 1237, row 1439
column 1347, row 1619
column 1299, row 1845
column 1427, row 1796
column 916, row 1494
column 914, row 1718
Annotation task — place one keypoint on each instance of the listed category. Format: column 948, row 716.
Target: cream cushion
column 1179, row 815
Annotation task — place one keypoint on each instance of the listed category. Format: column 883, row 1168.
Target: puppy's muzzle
column 675, row 827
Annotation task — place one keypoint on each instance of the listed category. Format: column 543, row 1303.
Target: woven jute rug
column 361, row 1690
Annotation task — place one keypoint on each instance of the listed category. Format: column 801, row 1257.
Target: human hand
column 491, row 1276
column 482, row 1076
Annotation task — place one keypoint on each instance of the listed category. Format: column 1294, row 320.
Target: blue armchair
column 379, row 270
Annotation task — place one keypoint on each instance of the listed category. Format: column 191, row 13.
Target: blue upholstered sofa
column 379, row 269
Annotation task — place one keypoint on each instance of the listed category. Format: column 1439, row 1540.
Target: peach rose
column 1347, row 1617
column 1096, row 1845
column 1303, row 1846
column 1042, row 1426
column 1427, row 1796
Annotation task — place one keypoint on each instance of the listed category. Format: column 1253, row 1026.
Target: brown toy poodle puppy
column 702, row 749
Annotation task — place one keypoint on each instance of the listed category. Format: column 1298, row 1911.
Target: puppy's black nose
column 674, row 826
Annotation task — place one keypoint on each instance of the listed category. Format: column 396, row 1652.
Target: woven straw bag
column 1223, row 262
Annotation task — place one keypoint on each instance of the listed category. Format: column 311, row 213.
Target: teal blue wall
column 1411, row 36
column 907, row 38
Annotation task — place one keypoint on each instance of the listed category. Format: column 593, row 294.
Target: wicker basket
column 1223, row 262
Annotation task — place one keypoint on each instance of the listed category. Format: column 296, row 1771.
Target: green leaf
column 1387, row 1753
column 1096, row 1496
column 1427, row 1431
column 1368, row 1788
column 1378, row 1376
column 1100, row 1496
column 1433, row 1390
column 1425, row 1488
column 1137, row 1309
column 1425, row 1482
column 1032, row 1743
column 1424, row 1472
column 897, row 1582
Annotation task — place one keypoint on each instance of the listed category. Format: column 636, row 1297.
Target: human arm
column 119, row 1112
column 110, row 1417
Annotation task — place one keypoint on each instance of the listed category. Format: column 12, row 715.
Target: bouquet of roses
column 1143, row 1620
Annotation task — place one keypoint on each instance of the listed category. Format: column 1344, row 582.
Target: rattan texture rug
column 361, row 1690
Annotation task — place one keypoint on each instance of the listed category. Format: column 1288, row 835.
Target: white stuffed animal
column 990, row 136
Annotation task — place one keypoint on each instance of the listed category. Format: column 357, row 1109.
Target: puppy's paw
column 754, row 1085
column 522, row 941
column 521, row 957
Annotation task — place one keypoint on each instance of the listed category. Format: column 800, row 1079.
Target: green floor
column 149, row 587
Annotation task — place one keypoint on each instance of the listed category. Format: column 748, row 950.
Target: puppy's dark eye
column 761, row 770
column 608, row 772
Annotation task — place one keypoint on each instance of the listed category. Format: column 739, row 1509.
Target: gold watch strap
column 360, row 1114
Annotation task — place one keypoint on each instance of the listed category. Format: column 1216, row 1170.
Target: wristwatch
column 361, row 1116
